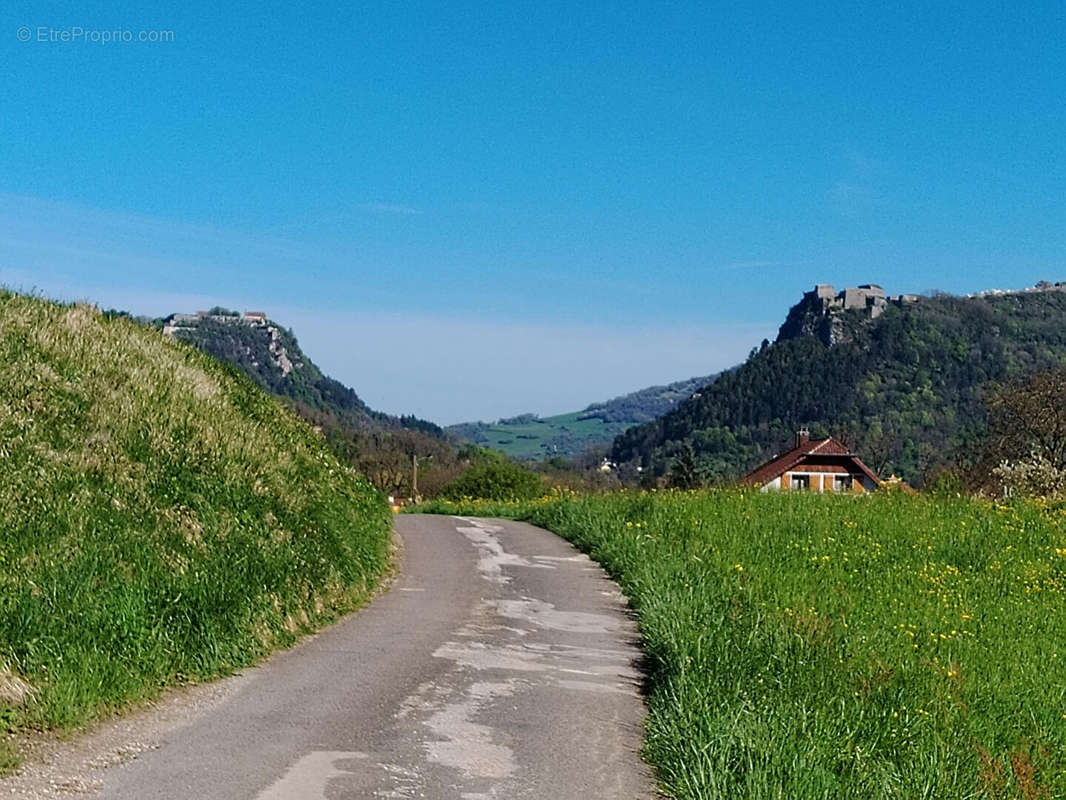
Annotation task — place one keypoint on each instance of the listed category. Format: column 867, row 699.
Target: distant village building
column 255, row 317
column 1041, row 286
column 814, row 465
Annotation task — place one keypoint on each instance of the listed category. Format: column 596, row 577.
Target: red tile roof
column 806, row 450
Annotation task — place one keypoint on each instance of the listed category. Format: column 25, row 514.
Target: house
column 814, row 465
column 255, row 317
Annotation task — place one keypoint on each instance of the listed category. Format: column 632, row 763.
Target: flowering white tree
column 1034, row 476
column 1027, row 436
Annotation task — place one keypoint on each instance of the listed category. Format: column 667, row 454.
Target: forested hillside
column 904, row 389
column 270, row 355
column 380, row 445
column 529, row 436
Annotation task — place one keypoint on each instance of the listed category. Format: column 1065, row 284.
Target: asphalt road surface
column 501, row 664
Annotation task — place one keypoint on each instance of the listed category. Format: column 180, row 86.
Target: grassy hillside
column 530, row 437
column 161, row 519
column 905, row 389
column 829, row 647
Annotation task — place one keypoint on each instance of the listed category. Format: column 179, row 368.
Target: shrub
column 495, row 480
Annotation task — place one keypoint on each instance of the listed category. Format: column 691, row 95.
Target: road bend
column 501, row 664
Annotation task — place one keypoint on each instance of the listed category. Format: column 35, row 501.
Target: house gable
column 817, row 465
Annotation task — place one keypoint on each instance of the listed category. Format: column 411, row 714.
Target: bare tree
column 1029, row 419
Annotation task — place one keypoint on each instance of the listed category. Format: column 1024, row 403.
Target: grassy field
column 563, row 434
column 161, row 519
column 830, row 647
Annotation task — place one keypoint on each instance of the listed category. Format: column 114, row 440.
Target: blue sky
column 474, row 210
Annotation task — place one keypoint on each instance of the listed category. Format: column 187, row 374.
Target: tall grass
column 161, row 519
column 830, row 647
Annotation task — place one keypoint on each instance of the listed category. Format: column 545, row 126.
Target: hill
column 901, row 380
column 269, row 354
column 379, row 445
column 163, row 520
column 531, row 437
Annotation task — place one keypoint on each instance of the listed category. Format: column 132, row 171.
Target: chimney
column 803, row 436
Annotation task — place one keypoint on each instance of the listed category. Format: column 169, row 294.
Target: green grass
column 161, row 519
column 9, row 759
column 563, row 434
column 828, row 647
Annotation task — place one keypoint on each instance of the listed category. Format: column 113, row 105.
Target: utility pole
column 414, row 477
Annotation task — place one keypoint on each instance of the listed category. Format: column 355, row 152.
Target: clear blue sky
column 474, row 210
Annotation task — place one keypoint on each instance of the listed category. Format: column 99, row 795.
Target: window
column 801, row 483
column 842, row 483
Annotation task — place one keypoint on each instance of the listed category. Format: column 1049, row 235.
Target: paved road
column 501, row 664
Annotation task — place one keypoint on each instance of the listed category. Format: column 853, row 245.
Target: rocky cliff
column 834, row 317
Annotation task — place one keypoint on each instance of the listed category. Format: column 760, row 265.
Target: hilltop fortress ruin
column 177, row 322
column 868, row 297
column 182, row 325
column 821, row 311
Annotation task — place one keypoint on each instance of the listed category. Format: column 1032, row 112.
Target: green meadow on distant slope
column 529, row 437
column 161, row 519
column 830, row 647
column 543, row 437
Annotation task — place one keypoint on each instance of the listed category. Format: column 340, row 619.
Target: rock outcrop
column 825, row 313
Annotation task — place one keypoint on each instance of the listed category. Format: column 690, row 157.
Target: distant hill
column 531, row 437
column 380, row 445
column 269, row 354
column 900, row 379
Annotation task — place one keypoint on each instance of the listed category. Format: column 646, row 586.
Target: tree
column 685, row 472
column 1025, row 450
column 1034, row 476
column 1029, row 419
